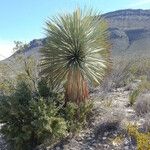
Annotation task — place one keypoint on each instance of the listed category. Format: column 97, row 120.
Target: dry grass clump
column 119, row 76
column 143, row 87
column 133, row 96
column 126, row 72
column 120, row 73
column 142, row 104
column 146, row 124
column 142, row 67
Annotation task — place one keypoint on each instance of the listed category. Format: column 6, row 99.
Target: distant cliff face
column 129, row 33
column 129, row 19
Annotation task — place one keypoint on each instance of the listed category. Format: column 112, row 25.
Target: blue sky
column 24, row 20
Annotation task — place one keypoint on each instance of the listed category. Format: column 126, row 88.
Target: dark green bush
column 46, row 121
column 43, row 88
column 47, row 93
column 29, row 121
column 76, row 115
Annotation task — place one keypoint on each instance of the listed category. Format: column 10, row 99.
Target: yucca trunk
column 76, row 87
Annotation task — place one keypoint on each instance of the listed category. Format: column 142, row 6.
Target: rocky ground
column 107, row 128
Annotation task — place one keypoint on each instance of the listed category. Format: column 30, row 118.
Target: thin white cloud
column 138, row 3
column 6, row 49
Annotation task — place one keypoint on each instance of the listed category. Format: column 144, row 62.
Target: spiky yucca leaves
column 76, row 52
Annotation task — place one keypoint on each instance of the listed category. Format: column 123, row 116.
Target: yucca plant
column 76, row 52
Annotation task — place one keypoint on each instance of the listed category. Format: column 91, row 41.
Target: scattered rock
column 105, row 128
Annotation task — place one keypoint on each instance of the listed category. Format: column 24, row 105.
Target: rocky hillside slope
column 129, row 33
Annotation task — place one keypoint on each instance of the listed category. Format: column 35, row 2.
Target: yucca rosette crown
column 76, row 52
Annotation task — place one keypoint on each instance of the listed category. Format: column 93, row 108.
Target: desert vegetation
column 42, row 109
column 75, row 95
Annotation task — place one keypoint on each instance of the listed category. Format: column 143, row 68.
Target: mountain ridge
column 129, row 32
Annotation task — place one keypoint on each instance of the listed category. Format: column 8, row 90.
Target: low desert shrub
column 143, row 87
column 119, row 76
column 76, row 115
column 146, row 125
column 142, row 65
column 43, row 88
column 142, row 139
column 145, row 84
column 133, row 96
column 48, row 93
column 28, row 121
column 47, row 123
column 142, row 104
column 125, row 70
